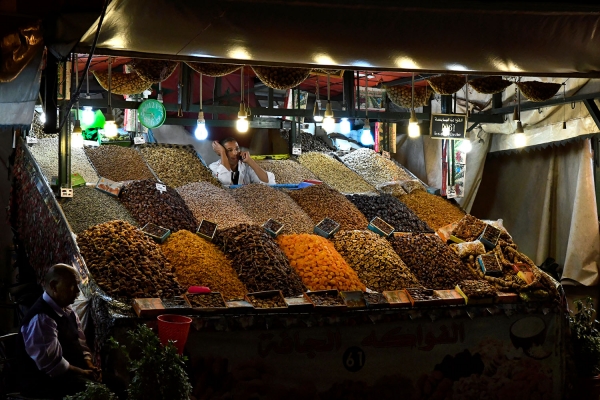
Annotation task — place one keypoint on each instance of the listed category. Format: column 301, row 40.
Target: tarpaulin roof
column 526, row 38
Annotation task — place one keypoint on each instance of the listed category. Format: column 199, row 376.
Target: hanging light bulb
column 43, row 117
column 366, row 138
column 465, row 146
column 345, row 126
column 76, row 139
column 87, row 116
column 413, row 123
column 328, row 121
column 519, row 139
column 201, row 133
column 242, row 122
column 77, row 127
column 317, row 117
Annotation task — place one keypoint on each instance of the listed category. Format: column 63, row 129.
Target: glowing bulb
column 366, row 138
column 345, row 126
column 317, row 117
column 110, row 129
column 328, row 124
column 87, row 116
column 242, row 122
column 413, row 125
column 201, row 133
column 43, row 117
column 520, row 140
column 465, row 146
column 76, row 140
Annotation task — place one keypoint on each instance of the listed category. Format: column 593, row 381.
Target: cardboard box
column 450, row 297
column 397, row 298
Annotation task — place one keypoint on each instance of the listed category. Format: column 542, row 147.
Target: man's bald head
column 60, row 282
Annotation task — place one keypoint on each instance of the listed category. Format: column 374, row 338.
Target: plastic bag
column 82, row 307
column 467, row 249
column 500, row 225
column 393, row 187
column 412, row 185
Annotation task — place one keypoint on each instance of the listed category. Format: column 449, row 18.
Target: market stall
column 422, row 295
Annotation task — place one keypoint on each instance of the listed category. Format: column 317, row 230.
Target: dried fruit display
column 153, row 71
column 477, row 289
column 147, row 203
column 538, row 91
column 267, row 300
column 434, row 264
column 335, row 174
column 447, row 84
column 402, row 95
column 326, row 299
column 374, row 260
column 374, row 168
column 258, row 261
column 118, row 163
column 308, row 141
column 176, row 165
column 89, row 207
column 206, row 201
column 45, row 152
column 281, row 78
column 262, row 202
column 433, row 210
column 321, row 201
column 206, row 300
column 286, row 171
column 125, row 263
column 121, row 83
column 212, row 69
column 489, row 84
column 391, row 210
column 198, row 262
column 318, row 263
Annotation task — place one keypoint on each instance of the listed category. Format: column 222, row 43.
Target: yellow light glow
column 240, row 53
column 520, row 140
column 242, row 125
column 504, row 65
column 406, row 63
column 328, row 124
column 323, row 59
column 77, row 140
column 110, row 129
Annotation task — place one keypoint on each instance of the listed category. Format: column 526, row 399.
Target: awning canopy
column 531, row 38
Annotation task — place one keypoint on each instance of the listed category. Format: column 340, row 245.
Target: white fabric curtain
column 547, row 200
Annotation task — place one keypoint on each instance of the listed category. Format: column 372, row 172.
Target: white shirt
column 247, row 174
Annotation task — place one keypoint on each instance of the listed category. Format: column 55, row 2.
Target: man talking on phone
column 237, row 167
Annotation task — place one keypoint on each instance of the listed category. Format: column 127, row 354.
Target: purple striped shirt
column 41, row 340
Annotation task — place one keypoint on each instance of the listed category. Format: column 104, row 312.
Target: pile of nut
column 213, row 69
column 118, row 163
column 420, row 294
column 286, row 171
column 154, row 71
column 374, row 168
column 122, row 83
column 374, row 260
column 258, row 261
column 263, row 301
column 45, row 152
column 477, row 289
column 148, row 204
column 126, row 263
column 198, row 262
column 206, row 201
column 433, row 210
column 447, row 83
column 403, row 95
column 328, row 226
column 321, row 201
column 176, row 165
column 262, row 202
column 469, row 228
column 308, row 141
column 335, row 174
column 318, row 263
column 89, row 207
column 326, row 299
column 489, row 84
column 434, row 264
column 391, row 210
column 206, row 300
column 281, row 78
column 37, row 128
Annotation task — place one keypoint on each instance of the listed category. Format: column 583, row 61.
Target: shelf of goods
column 119, row 263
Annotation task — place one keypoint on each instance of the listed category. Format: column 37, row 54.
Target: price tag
column 139, row 140
column 385, row 154
column 66, row 192
column 296, row 149
column 31, row 140
column 161, row 188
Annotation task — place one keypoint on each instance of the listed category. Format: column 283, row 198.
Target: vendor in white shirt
column 237, row 167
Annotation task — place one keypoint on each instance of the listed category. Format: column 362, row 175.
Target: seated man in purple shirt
column 54, row 359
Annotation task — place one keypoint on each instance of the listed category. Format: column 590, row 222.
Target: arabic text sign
column 448, row 126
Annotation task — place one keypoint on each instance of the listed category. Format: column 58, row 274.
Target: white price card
column 385, row 154
column 31, row 140
column 161, row 188
column 139, row 140
column 66, row 192
column 296, row 149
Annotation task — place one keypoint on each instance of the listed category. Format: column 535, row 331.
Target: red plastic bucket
column 175, row 328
